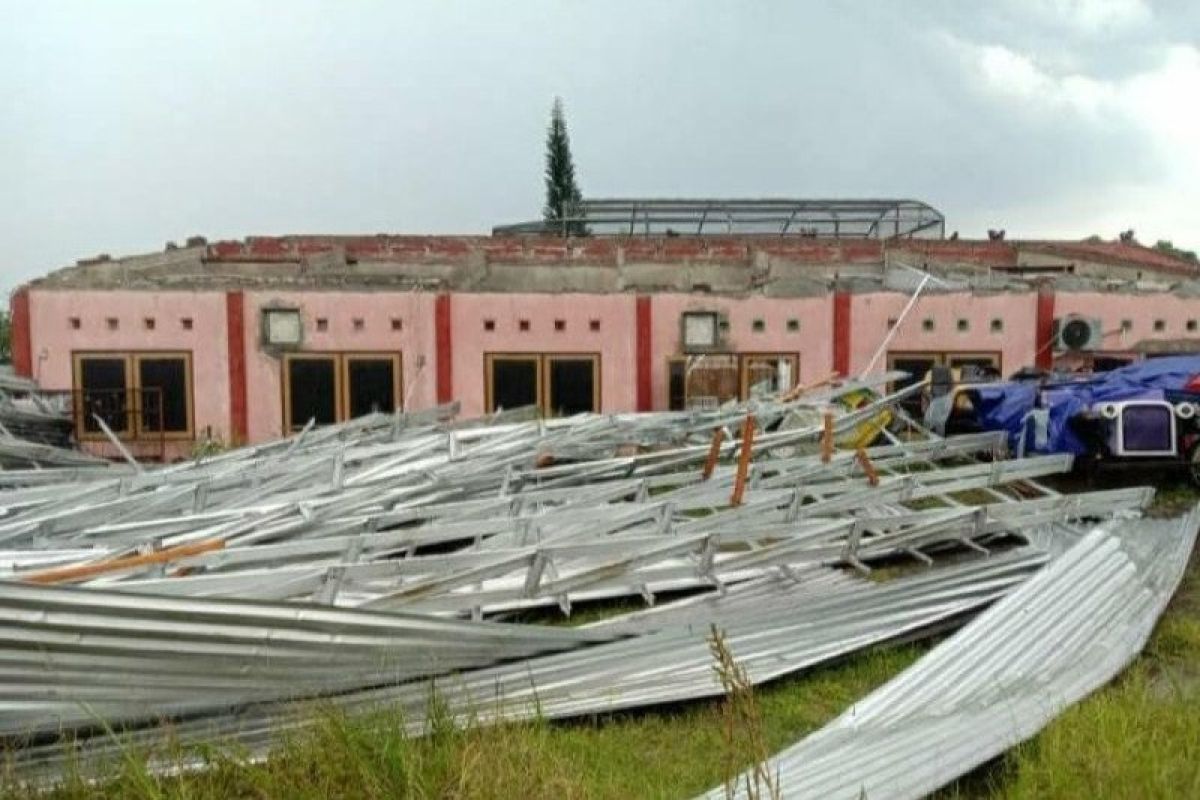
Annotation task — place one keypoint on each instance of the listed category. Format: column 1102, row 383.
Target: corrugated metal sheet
column 999, row 680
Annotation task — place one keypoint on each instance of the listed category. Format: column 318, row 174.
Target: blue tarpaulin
column 1004, row 406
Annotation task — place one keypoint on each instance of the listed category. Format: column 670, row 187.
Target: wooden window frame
column 541, row 363
column 941, row 358
column 743, row 372
column 1087, row 359
column 995, row 356
column 546, row 404
column 286, row 371
column 341, row 378
column 489, row 389
column 134, row 425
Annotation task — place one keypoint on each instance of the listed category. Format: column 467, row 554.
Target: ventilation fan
column 1077, row 333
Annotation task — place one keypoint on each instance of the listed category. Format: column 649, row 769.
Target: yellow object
column 865, row 432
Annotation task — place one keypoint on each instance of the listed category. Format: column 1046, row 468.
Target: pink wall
column 813, row 342
column 615, row 341
column 54, row 340
column 1141, row 310
column 415, row 342
column 870, row 314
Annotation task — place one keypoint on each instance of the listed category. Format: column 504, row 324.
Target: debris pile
column 352, row 565
column 36, row 427
column 1063, row 634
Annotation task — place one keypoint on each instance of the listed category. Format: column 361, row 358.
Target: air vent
column 1077, row 333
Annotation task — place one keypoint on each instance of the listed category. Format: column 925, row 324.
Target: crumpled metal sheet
column 1060, row 636
column 778, row 625
column 70, row 656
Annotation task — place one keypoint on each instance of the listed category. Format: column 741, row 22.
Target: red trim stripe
column 445, row 351
column 20, row 341
column 235, row 336
column 1044, row 354
column 841, row 333
column 645, row 397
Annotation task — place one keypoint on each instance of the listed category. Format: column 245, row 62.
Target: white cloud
column 1159, row 101
column 1089, row 17
column 1006, row 71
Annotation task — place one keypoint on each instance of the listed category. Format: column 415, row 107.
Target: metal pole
column 912, row 301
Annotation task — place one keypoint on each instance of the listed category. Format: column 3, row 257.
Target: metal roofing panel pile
column 336, row 567
column 999, row 680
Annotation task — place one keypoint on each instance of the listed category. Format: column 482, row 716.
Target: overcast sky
column 127, row 124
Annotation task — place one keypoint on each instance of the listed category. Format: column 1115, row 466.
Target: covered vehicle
column 1145, row 411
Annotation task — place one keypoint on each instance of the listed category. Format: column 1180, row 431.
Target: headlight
column 1109, row 411
column 1185, row 410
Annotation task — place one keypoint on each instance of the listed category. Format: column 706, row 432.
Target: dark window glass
column 372, row 385
column 676, row 386
column 102, row 382
column 975, row 368
column 917, row 368
column 1147, row 428
column 164, row 400
column 312, row 386
column 514, row 383
column 1108, row 363
column 572, row 386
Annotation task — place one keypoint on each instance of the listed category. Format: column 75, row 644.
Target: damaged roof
column 773, row 265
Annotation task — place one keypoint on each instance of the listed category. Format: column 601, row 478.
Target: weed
column 741, row 725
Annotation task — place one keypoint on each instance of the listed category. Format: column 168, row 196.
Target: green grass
column 676, row 752
column 1138, row 737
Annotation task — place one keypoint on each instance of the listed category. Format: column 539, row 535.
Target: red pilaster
column 445, row 350
column 1044, row 353
column 20, row 341
column 841, row 333
column 235, row 336
column 645, row 397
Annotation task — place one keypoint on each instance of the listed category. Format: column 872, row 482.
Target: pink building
column 249, row 340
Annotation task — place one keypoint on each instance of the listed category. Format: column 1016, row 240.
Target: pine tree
column 563, row 198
